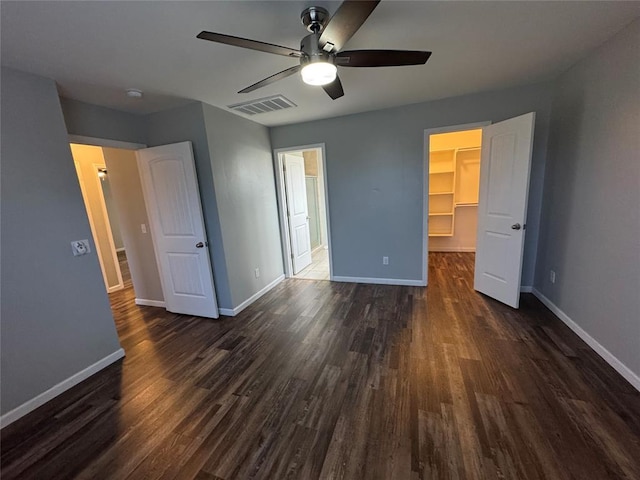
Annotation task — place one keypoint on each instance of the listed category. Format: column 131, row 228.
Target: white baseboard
column 61, row 387
column 235, row 311
column 526, row 289
column 609, row 357
column 380, row 281
column 452, row 249
column 150, row 303
column 118, row 250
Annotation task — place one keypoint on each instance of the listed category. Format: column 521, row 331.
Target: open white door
column 296, row 192
column 502, row 207
column 171, row 193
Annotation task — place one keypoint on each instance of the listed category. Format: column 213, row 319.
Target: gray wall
column 56, row 319
column 179, row 125
column 231, row 154
column 242, row 166
column 100, row 122
column 128, row 200
column 375, row 176
column 591, row 219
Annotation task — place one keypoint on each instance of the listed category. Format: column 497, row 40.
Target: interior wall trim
column 104, row 142
column 232, row 312
column 63, row 386
column 608, row 357
column 382, row 281
column 452, row 249
column 150, row 303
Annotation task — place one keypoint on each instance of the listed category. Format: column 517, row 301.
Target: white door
column 171, row 193
column 502, row 207
column 298, row 213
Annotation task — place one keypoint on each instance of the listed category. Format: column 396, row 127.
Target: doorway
column 476, row 185
column 454, row 182
column 444, row 210
column 302, row 200
column 92, row 172
column 116, row 210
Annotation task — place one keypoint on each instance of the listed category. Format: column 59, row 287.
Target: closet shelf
column 451, row 175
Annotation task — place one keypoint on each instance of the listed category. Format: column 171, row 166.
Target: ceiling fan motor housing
column 312, row 52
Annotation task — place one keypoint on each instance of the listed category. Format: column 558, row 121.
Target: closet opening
column 454, row 182
column 453, row 178
column 476, row 189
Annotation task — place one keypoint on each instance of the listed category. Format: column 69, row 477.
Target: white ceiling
column 95, row 50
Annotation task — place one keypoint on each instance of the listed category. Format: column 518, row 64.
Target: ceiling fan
column 321, row 51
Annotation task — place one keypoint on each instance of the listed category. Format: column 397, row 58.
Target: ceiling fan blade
column 250, row 44
column 345, row 22
column 272, row 79
column 381, row 58
column 334, row 89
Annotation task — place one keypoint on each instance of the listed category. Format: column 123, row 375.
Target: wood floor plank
column 321, row 380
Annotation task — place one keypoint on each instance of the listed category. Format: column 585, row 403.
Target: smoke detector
column 134, row 93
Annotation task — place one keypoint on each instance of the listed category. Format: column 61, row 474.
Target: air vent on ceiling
column 263, row 105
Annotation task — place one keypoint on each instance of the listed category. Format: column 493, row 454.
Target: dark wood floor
column 338, row 380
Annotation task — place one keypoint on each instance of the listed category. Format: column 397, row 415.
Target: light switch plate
column 80, row 247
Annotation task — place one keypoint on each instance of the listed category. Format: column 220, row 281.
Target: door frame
column 92, row 226
column 282, row 202
column 107, row 223
column 425, row 179
column 104, row 142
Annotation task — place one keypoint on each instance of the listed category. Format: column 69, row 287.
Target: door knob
column 516, row 226
column 199, row 245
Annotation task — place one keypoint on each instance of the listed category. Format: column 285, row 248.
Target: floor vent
column 263, row 105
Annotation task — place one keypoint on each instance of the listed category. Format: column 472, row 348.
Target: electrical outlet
column 257, row 272
column 385, row 260
column 80, row 247
column 143, row 228
column 552, row 276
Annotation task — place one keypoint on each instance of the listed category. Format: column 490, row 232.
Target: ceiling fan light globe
column 318, row 73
